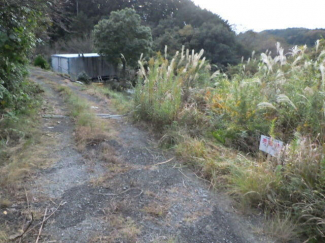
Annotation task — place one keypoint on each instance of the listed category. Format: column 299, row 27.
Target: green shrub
column 41, row 62
column 83, row 77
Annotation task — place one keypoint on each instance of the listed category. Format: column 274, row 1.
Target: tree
column 122, row 38
column 18, row 22
column 218, row 42
column 21, row 25
column 173, row 23
column 262, row 41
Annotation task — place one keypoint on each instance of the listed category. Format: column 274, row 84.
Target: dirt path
column 132, row 199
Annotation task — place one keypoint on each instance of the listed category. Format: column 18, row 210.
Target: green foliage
column 83, row 77
column 82, row 24
column 89, row 13
column 17, row 25
column 267, row 39
column 298, row 36
column 220, row 135
column 261, row 41
column 296, row 187
column 281, row 96
column 41, row 62
column 284, row 98
column 122, row 37
column 16, row 124
column 166, row 18
column 79, row 108
column 213, row 35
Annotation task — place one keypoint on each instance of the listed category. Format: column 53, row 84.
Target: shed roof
column 76, row 55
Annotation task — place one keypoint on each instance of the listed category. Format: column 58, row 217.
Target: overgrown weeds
column 24, row 149
column 20, row 138
column 281, row 227
column 281, row 97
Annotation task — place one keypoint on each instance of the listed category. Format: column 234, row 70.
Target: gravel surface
column 132, row 200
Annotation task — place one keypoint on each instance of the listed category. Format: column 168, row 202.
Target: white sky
column 261, row 15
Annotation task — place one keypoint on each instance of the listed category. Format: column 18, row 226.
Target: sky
column 260, row 15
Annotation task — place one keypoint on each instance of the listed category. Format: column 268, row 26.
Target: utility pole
column 77, row 7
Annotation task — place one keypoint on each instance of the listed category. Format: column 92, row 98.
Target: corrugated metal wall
column 60, row 64
column 93, row 66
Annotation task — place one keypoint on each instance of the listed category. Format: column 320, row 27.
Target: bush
column 41, row 62
column 83, row 77
column 18, row 23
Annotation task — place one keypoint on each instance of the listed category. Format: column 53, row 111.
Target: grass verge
column 118, row 100
column 22, row 144
column 90, row 129
column 24, row 148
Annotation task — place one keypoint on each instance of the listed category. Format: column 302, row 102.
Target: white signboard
column 270, row 146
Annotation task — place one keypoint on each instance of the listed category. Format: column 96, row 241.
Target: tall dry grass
column 167, row 86
column 282, row 97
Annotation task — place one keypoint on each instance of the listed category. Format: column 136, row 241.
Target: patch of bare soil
column 124, row 189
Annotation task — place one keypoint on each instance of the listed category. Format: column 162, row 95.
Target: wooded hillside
column 267, row 39
column 173, row 23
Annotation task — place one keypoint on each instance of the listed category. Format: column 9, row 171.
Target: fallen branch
column 15, row 237
column 40, row 229
column 108, row 116
column 165, row 162
column 61, row 204
column 184, row 174
column 113, row 194
column 53, row 116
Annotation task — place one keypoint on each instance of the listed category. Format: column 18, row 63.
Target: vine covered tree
column 122, row 38
column 20, row 22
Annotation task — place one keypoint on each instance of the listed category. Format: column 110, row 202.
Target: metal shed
column 91, row 63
